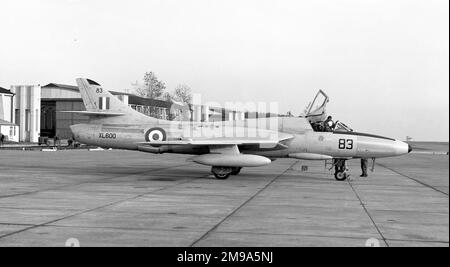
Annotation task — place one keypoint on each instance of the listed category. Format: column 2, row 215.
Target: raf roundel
column 155, row 134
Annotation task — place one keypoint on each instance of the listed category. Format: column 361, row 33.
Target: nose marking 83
column 345, row 144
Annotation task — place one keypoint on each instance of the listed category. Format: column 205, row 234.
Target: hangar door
column 48, row 118
column 53, row 122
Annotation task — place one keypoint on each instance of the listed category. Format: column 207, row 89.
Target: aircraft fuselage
column 306, row 144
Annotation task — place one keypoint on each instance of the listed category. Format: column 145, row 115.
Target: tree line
column 156, row 89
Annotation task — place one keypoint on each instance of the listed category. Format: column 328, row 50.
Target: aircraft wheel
column 221, row 173
column 221, row 176
column 236, row 170
column 340, row 176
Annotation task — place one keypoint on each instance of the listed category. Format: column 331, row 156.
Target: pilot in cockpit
column 328, row 124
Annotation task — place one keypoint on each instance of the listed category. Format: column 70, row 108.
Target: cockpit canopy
column 316, row 110
column 317, row 115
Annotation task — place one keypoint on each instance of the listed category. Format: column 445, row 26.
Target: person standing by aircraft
column 364, row 167
column 328, row 124
column 2, row 139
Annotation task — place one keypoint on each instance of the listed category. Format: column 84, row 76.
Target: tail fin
column 97, row 99
column 100, row 102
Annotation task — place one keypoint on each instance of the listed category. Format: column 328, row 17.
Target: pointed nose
column 401, row 148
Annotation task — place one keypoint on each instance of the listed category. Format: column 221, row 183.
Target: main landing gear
column 340, row 169
column 223, row 173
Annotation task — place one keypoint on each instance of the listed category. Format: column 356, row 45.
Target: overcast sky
column 384, row 63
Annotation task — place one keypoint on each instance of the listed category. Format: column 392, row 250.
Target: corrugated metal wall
column 65, row 120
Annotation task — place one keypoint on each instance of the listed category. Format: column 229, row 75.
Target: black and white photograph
column 225, row 130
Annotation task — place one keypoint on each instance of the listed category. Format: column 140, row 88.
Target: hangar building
column 28, row 112
column 7, row 127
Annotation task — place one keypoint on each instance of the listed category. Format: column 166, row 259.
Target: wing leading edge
column 221, row 141
column 94, row 113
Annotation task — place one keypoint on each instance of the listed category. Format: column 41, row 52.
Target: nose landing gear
column 340, row 169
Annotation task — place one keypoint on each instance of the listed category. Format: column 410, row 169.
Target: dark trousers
column 364, row 166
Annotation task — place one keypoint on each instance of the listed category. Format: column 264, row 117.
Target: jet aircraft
column 228, row 146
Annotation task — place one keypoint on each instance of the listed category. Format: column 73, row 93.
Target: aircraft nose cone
column 409, row 148
column 401, row 148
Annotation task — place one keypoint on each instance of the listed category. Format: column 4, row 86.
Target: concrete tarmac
column 125, row 198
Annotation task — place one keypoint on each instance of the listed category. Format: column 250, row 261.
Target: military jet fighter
column 227, row 146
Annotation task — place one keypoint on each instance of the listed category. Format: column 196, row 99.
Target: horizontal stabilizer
column 94, row 113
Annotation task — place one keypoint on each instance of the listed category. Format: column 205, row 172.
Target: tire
column 222, row 173
column 221, row 176
column 236, row 171
column 340, row 176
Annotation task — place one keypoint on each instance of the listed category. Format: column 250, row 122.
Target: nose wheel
column 340, row 170
column 341, row 175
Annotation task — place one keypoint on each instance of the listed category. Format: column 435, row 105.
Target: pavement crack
column 93, row 181
column 368, row 214
column 413, row 179
column 241, row 205
column 96, row 208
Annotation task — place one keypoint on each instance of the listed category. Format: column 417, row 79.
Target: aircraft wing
column 94, row 113
column 224, row 151
column 222, row 141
